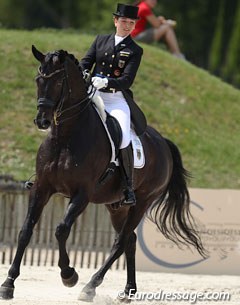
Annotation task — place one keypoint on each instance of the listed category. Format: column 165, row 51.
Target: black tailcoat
column 119, row 64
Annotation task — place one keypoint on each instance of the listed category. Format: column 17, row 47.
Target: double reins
column 58, row 113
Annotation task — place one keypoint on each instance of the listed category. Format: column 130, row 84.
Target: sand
column 42, row 286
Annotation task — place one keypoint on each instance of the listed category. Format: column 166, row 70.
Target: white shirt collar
column 118, row 39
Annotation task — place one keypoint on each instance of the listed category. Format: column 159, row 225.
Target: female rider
column 116, row 58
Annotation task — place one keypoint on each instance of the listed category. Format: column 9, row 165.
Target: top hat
column 128, row 11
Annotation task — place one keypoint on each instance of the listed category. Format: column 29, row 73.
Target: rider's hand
column 161, row 19
column 99, row 83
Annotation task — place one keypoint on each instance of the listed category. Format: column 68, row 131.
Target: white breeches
column 116, row 105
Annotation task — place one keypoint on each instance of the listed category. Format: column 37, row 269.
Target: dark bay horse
column 71, row 160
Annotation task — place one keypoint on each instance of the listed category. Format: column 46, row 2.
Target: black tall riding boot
column 126, row 161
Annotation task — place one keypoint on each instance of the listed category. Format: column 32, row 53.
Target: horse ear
column 37, row 54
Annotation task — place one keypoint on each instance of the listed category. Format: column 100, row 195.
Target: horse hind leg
column 130, row 251
column 120, row 245
column 76, row 207
column 89, row 291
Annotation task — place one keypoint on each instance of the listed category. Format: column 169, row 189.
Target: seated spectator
column 160, row 28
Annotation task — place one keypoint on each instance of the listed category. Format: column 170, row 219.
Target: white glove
column 99, row 82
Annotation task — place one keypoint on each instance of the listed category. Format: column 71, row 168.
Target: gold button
column 103, row 63
column 110, row 66
column 101, row 72
column 108, row 74
column 106, row 53
column 113, row 56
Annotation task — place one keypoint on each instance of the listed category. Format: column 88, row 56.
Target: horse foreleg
column 37, row 201
column 120, row 245
column 76, row 207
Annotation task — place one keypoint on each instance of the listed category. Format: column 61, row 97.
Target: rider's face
column 124, row 26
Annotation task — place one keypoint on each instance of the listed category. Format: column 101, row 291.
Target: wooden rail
column 89, row 243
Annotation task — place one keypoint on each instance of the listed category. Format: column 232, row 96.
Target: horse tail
column 171, row 212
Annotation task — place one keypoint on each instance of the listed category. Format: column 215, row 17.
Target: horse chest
column 60, row 164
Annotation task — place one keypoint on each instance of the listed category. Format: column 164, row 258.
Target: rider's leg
column 126, row 160
column 166, row 32
column 118, row 108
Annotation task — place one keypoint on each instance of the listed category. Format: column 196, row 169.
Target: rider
column 116, row 58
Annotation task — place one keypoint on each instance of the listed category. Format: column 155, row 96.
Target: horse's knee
column 62, row 231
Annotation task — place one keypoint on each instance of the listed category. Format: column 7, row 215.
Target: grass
column 197, row 111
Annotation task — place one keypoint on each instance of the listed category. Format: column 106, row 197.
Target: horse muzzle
column 42, row 123
column 45, row 107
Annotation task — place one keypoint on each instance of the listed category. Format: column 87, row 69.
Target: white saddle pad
column 138, row 152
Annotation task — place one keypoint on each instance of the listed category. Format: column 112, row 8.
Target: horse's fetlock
column 96, row 281
column 67, row 272
column 130, row 287
column 9, row 283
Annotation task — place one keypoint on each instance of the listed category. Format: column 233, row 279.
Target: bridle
column 58, row 113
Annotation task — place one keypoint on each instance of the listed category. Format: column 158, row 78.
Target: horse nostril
column 45, row 123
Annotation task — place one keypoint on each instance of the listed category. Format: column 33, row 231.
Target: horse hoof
column 87, row 294
column 86, row 297
column 125, row 300
column 6, row 293
column 71, row 281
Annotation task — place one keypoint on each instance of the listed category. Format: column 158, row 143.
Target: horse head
column 60, row 83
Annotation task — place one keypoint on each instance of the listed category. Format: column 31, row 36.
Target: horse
column 71, row 160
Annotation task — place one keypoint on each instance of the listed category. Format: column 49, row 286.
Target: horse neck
column 75, row 108
column 64, row 131
column 75, row 90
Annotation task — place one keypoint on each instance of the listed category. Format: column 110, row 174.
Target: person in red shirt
column 160, row 28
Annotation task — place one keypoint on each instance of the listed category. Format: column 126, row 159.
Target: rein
column 59, row 112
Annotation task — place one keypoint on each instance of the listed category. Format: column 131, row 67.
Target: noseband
column 43, row 101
